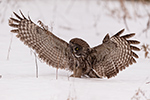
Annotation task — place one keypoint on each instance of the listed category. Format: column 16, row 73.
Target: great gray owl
column 104, row 60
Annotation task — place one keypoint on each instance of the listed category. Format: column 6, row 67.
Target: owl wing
column 51, row 49
column 114, row 54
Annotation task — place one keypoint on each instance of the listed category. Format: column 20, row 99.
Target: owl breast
column 84, row 67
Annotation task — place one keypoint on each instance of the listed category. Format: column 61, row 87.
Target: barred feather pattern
column 50, row 49
column 117, row 54
column 105, row 60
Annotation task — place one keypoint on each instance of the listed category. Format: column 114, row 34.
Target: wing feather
column 133, row 42
column 114, row 55
column 128, row 35
column 51, row 49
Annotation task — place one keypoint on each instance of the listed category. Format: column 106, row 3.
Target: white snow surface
column 89, row 20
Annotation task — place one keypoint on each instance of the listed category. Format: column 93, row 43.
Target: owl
column 103, row 61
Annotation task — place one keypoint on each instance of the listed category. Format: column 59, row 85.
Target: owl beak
column 72, row 51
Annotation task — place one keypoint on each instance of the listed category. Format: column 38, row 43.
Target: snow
column 90, row 20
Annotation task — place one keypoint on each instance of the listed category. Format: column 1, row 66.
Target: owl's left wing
column 51, row 49
column 114, row 54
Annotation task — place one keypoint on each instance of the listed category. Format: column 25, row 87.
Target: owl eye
column 76, row 49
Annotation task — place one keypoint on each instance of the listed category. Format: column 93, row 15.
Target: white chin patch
column 77, row 56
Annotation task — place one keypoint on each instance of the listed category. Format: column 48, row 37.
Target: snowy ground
column 89, row 20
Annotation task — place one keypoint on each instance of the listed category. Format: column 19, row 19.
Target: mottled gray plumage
column 105, row 60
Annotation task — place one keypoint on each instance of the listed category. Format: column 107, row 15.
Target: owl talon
column 77, row 76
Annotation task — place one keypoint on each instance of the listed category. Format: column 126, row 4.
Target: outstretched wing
column 114, row 54
column 51, row 49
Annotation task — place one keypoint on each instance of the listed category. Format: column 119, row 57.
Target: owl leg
column 77, row 73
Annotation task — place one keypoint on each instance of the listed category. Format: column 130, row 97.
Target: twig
column 9, row 47
column 137, row 97
column 36, row 65
column 125, row 21
column 140, row 93
column 70, row 6
column 51, row 29
column 148, row 22
column 148, row 25
column 147, row 82
column 126, row 13
column 56, row 73
column 97, row 18
column 146, row 49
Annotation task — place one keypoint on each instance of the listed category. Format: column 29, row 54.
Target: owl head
column 79, row 48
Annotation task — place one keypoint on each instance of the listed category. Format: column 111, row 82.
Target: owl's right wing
column 51, row 49
column 114, row 54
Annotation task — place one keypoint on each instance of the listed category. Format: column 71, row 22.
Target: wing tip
column 22, row 14
column 15, row 31
column 120, row 32
column 106, row 38
column 17, row 16
column 128, row 35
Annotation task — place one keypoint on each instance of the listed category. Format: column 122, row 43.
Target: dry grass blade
column 9, row 47
column 126, row 13
column 36, row 65
column 148, row 23
column 140, row 93
column 125, row 22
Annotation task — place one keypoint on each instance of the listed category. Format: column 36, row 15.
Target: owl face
column 79, row 47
